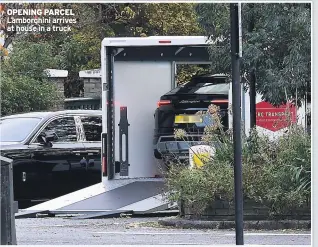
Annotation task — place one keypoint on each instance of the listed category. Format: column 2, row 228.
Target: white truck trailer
column 135, row 73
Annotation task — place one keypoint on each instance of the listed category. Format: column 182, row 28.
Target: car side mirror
column 47, row 137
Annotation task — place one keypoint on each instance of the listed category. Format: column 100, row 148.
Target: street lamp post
column 236, row 105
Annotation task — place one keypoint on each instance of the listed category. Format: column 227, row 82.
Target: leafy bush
column 198, row 188
column 289, row 173
column 24, row 84
column 276, row 173
column 24, row 94
column 29, row 59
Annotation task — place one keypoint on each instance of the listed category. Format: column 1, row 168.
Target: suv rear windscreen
column 209, row 88
column 206, row 88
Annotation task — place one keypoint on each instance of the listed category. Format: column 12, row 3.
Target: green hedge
column 24, row 94
column 276, row 173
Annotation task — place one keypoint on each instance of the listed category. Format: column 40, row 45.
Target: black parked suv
column 54, row 153
column 177, row 110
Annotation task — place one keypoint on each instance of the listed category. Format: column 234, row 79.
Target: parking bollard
column 8, row 233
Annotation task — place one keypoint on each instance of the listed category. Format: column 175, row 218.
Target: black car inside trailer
column 53, row 153
column 179, row 108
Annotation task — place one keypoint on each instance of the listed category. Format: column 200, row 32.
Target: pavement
column 140, row 231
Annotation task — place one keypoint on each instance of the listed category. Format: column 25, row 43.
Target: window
column 208, row 88
column 64, row 128
column 11, row 131
column 92, row 128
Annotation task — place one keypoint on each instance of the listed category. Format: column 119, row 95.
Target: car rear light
column 220, row 101
column 164, row 41
column 104, row 154
column 163, row 102
column 104, row 164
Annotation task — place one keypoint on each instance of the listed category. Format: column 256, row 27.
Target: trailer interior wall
column 136, row 72
column 139, row 85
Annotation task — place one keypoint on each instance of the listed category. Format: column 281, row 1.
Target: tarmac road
column 138, row 231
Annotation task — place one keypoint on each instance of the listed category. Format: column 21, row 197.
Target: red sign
column 275, row 118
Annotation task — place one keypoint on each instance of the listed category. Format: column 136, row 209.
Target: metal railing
column 82, row 103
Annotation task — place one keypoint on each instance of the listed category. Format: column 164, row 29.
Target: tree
column 29, row 59
column 7, row 33
column 24, row 84
column 277, row 49
column 80, row 49
column 73, row 56
column 166, row 19
column 99, row 21
column 24, row 94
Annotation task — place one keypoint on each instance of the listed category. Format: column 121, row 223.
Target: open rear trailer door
column 138, row 71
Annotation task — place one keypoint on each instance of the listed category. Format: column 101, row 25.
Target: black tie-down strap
column 123, row 134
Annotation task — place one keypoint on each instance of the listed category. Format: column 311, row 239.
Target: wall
column 90, row 78
column 92, row 82
column 140, row 96
column 222, row 210
column 92, row 87
column 59, row 82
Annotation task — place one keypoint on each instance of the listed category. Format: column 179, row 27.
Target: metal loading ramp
column 120, row 197
column 134, row 196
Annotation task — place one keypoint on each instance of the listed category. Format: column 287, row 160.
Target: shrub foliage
column 276, row 172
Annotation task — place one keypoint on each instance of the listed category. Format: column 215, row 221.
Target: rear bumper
column 178, row 148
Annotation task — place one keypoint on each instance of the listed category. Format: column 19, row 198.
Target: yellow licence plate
column 187, row 119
